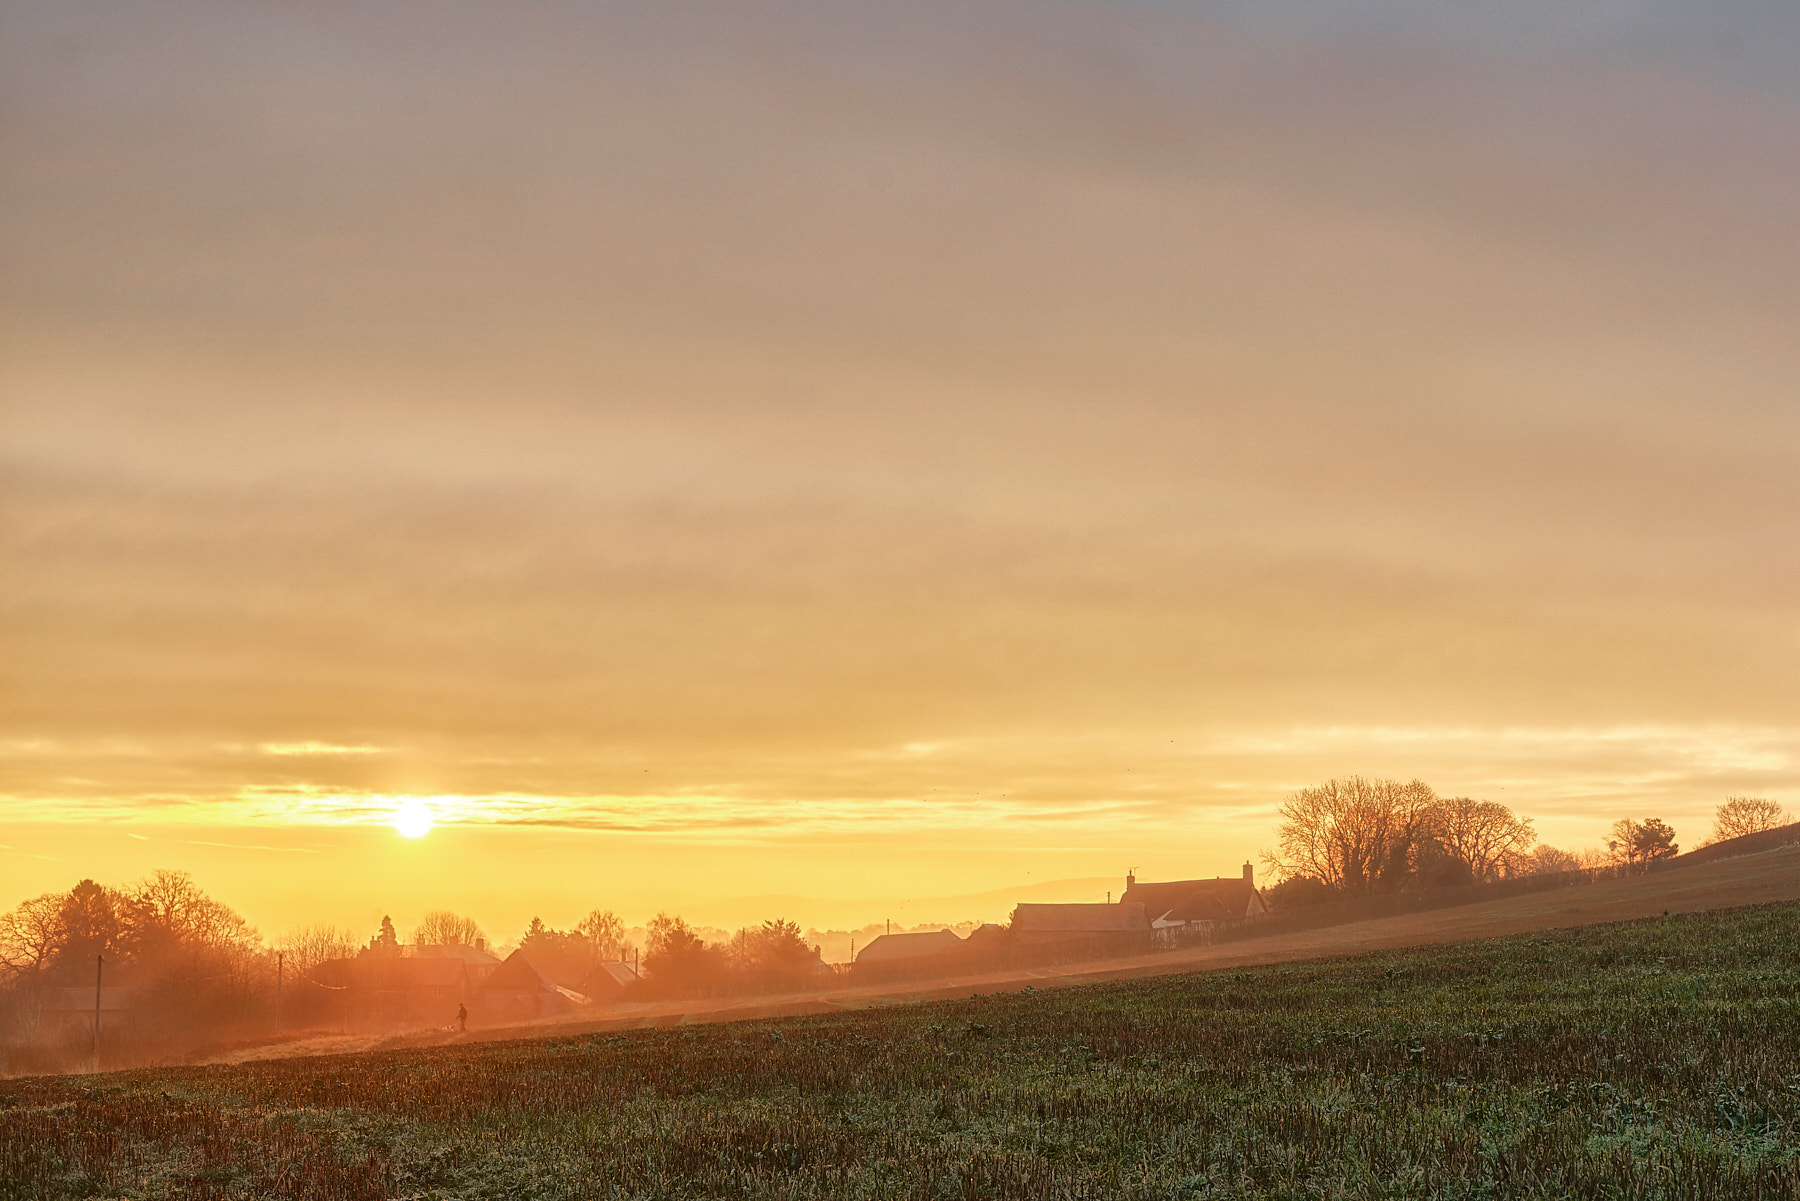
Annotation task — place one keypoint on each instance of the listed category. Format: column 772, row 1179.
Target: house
column 478, row 962
column 894, row 948
column 987, row 937
column 517, row 990
column 608, row 981
column 1037, row 924
column 1191, row 903
column 398, row 989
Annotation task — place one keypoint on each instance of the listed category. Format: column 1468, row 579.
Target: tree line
column 1359, row 837
column 201, row 973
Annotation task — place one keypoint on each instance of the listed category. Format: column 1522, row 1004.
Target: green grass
column 1649, row 1059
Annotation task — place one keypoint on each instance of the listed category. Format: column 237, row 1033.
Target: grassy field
column 1657, row 1058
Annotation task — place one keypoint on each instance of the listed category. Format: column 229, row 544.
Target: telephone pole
column 280, row 965
column 98, row 961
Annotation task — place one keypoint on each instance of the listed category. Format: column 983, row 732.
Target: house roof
column 431, row 973
column 908, row 946
column 1079, row 919
column 1194, row 900
column 474, row 956
column 618, row 973
column 518, row 972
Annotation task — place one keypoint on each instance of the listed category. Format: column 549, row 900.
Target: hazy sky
column 809, row 448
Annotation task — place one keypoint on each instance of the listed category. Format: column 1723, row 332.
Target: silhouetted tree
column 1297, row 892
column 1741, row 815
column 90, row 926
column 32, row 936
column 441, row 927
column 309, row 946
column 386, row 941
column 1547, row 860
column 678, row 958
column 1355, row 835
column 1636, row 845
column 772, row 954
column 1485, row 835
column 167, row 914
column 604, row 933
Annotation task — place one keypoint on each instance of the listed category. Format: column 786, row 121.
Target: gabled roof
column 1198, row 906
column 517, row 973
column 619, row 973
column 474, row 956
column 1194, row 900
column 908, row 946
column 1079, row 919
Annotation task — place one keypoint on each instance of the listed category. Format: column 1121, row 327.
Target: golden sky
column 863, row 451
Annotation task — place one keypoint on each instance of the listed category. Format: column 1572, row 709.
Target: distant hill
column 1749, row 844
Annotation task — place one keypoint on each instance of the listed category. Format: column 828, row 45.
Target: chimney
column 1130, row 879
column 1249, row 875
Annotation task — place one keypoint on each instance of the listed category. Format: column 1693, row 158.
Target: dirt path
column 1753, row 879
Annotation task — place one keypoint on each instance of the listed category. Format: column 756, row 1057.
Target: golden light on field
column 413, row 818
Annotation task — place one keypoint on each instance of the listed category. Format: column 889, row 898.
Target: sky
column 845, row 453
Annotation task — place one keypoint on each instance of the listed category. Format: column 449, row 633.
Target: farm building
column 894, row 948
column 478, row 962
column 1037, row 924
column 1188, row 903
column 608, row 981
column 387, row 989
column 516, row 989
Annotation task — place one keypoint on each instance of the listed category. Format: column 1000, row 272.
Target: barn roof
column 908, row 946
column 1079, row 919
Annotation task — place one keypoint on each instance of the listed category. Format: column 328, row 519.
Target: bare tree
column 166, row 911
column 604, row 932
column 1741, row 815
column 1547, row 860
column 441, row 927
column 1486, row 835
column 1355, row 835
column 309, row 946
column 31, row 935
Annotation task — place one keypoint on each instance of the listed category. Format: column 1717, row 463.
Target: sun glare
column 413, row 819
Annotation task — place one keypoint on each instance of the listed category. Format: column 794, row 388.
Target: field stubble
column 1657, row 1058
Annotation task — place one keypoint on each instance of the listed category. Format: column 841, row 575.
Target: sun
column 413, row 819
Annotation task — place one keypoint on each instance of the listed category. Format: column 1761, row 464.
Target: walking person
column 462, row 1017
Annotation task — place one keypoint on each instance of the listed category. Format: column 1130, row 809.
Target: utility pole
column 98, row 961
column 280, row 966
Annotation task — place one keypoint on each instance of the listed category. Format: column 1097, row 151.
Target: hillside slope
column 1647, row 1059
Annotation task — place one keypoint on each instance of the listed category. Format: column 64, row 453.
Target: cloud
column 605, row 420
